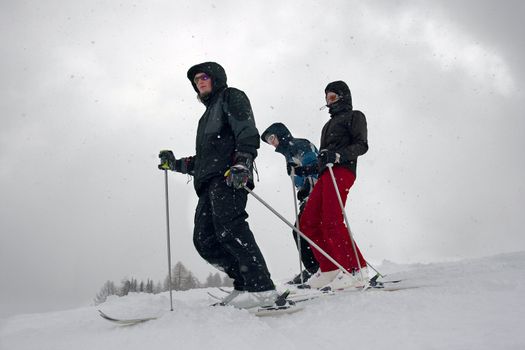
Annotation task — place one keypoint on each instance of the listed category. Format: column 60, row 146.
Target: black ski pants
column 223, row 238
column 307, row 256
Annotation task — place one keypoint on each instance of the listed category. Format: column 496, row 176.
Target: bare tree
column 107, row 289
column 227, row 281
column 149, row 286
column 158, row 288
column 182, row 278
column 213, row 280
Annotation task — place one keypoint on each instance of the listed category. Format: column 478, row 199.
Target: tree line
column 181, row 279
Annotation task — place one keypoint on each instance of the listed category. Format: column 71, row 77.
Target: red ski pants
column 323, row 222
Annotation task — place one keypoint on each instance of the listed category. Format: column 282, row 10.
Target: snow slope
column 471, row 304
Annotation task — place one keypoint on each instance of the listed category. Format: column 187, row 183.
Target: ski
column 124, row 321
column 374, row 285
column 289, row 308
column 214, row 296
column 282, row 305
column 224, row 290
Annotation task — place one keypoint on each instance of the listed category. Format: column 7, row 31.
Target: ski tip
column 102, row 313
column 126, row 322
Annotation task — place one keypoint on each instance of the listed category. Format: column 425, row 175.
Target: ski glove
column 237, row 176
column 181, row 165
column 290, row 166
column 305, row 170
column 167, row 160
column 304, row 191
column 327, row 157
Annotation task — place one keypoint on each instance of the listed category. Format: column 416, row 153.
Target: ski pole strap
column 164, row 166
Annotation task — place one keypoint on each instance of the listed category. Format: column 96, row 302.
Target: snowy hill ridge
column 470, row 304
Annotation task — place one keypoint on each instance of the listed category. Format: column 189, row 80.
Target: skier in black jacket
column 226, row 145
column 301, row 155
column 343, row 139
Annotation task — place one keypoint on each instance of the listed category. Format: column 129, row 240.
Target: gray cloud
column 91, row 92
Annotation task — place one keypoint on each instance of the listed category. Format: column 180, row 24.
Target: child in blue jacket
column 301, row 155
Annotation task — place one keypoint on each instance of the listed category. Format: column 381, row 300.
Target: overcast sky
column 91, row 91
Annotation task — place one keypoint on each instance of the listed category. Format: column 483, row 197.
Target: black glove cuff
column 181, row 165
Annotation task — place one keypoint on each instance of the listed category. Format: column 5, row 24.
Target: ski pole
column 168, row 235
column 330, row 166
column 292, row 175
column 312, row 243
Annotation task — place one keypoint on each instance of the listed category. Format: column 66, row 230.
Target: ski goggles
column 331, row 98
column 202, row 76
column 270, row 138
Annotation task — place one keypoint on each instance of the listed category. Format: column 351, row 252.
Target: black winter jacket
column 226, row 134
column 346, row 134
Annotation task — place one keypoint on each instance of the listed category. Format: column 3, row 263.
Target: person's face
column 273, row 140
column 331, row 97
column 203, row 83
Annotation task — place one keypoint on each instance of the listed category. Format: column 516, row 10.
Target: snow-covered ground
column 471, row 304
